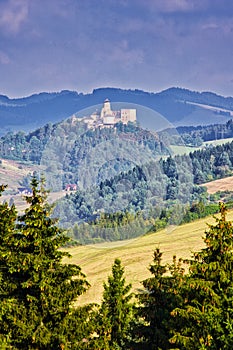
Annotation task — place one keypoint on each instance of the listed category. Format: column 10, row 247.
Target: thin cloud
column 219, row 25
column 222, row 8
column 170, row 6
column 176, row 5
column 13, row 14
column 4, row 58
column 124, row 56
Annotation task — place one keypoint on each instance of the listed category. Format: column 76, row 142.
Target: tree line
column 194, row 136
column 186, row 304
column 125, row 225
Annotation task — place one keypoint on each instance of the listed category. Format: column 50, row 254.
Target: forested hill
column 159, row 189
column 34, row 111
column 195, row 136
column 206, row 98
column 70, row 153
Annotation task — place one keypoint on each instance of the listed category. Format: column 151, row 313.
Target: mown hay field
column 136, row 255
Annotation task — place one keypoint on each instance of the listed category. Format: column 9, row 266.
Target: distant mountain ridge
column 30, row 112
column 205, row 97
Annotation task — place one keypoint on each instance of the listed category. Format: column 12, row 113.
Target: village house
column 71, row 187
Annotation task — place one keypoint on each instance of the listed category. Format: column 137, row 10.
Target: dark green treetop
column 116, row 310
column 38, row 289
column 7, row 224
column 159, row 298
column 207, row 312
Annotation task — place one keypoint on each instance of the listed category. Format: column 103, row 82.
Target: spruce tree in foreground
column 37, row 290
column 207, row 313
column 116, row 311
column 161, row 295
column 7, row 224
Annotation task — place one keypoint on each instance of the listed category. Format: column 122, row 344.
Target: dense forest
column 208, row 132
column 70, row 153
column 185, row 304
column 207, row 98
column 170, row 185
column 65, row 135
column 195, row 135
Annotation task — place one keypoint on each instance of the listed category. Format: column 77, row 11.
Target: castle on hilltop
column 107, row 118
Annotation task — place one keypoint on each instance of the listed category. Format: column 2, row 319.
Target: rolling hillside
column 136, row 255
column 12, row 173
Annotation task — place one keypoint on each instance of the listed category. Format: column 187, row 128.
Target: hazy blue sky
column 51, row 45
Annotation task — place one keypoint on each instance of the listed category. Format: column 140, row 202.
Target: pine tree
column 161, row 296
column 207, row 313
column 7, row 223
column 37, row 287
column 116, row 310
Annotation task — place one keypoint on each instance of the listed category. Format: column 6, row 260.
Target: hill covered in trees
column 69, row 152
column 37, row 110
column 152, row 195
column 195, row 136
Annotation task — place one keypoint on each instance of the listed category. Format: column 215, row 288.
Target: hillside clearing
column 12, row 172
column 182, row 149
column 213, row 108
column 218, row 142
column 225, row 184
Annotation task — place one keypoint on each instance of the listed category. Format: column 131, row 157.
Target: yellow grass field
column 136, row 255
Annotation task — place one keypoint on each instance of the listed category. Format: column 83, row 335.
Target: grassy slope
column 136, row 255
column 180, row 150
column 12, row 173
column 218, row 142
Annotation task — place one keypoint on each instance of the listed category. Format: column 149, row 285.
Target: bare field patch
column 225, row 184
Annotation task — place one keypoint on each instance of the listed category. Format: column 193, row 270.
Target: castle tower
column 106, row 110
